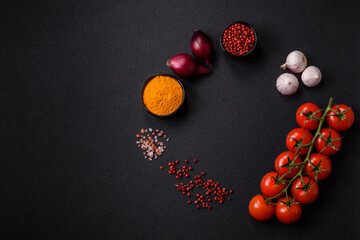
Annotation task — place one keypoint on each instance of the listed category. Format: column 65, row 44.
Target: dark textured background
column 70, row 77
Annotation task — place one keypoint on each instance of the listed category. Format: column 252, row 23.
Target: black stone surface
column 70, row 78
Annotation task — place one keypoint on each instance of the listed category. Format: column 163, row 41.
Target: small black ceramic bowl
column 244, row 56
column 142, row 91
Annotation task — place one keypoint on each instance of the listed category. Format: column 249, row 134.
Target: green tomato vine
column 307, row 159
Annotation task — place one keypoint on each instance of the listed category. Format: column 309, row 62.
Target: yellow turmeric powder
column 162, row 95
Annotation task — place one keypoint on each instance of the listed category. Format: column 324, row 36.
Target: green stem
column 328, row 108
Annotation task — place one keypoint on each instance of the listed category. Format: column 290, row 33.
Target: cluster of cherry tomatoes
column 302, row 176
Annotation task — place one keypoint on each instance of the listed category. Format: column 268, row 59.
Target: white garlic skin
column 295, row 62
column 287, row 84
column 311, row 76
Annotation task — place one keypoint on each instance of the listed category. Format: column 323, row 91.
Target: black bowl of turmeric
column 162, row 95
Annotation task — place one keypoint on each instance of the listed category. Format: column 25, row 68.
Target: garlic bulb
column 311, row 76
column 287, row 84
column 295, row 61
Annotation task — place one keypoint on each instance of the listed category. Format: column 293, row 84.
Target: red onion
column 185, row 66
column 201, row 46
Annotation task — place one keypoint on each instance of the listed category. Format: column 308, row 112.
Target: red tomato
column 259, row 209
column 341, row 117
column 271, row 186
column 282, row 164
column 322, row 167
column 287, row 214
column 328, row 142
column 308, row 116
column 305, row 192
column 299, row 137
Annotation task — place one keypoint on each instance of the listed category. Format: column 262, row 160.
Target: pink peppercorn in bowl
column 238, row 40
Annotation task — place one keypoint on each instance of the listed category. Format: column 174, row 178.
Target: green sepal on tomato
column 260, row 209
column 340, row 117
column 328, row 142
column 318, row 167
column 305, row 190
column 272, row 184
column 298, row 140
column 287, row 210
column 288, row 164
column 308, row 116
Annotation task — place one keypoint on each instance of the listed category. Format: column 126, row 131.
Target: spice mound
column 238, row 39
column 150, row 142
column 162, row 95
column 213, row 191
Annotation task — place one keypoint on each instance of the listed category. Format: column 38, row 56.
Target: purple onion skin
column 186, row 66
column 201, row 46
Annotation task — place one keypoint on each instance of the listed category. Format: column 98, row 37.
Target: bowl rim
column 251, row 50
column 148, row 80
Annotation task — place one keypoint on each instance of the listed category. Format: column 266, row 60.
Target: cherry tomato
column 271, row 185
column 322, row 167
column 299, row 137
column 341, row 117
column 259, row 209
column 305, row 192
column 287, row 214
column 308, row 116
column 328, row 142
column 282, row 164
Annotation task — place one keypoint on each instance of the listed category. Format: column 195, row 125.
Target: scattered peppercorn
column 211, row 187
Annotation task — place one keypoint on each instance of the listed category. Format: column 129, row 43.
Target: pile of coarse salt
column 149, row 141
